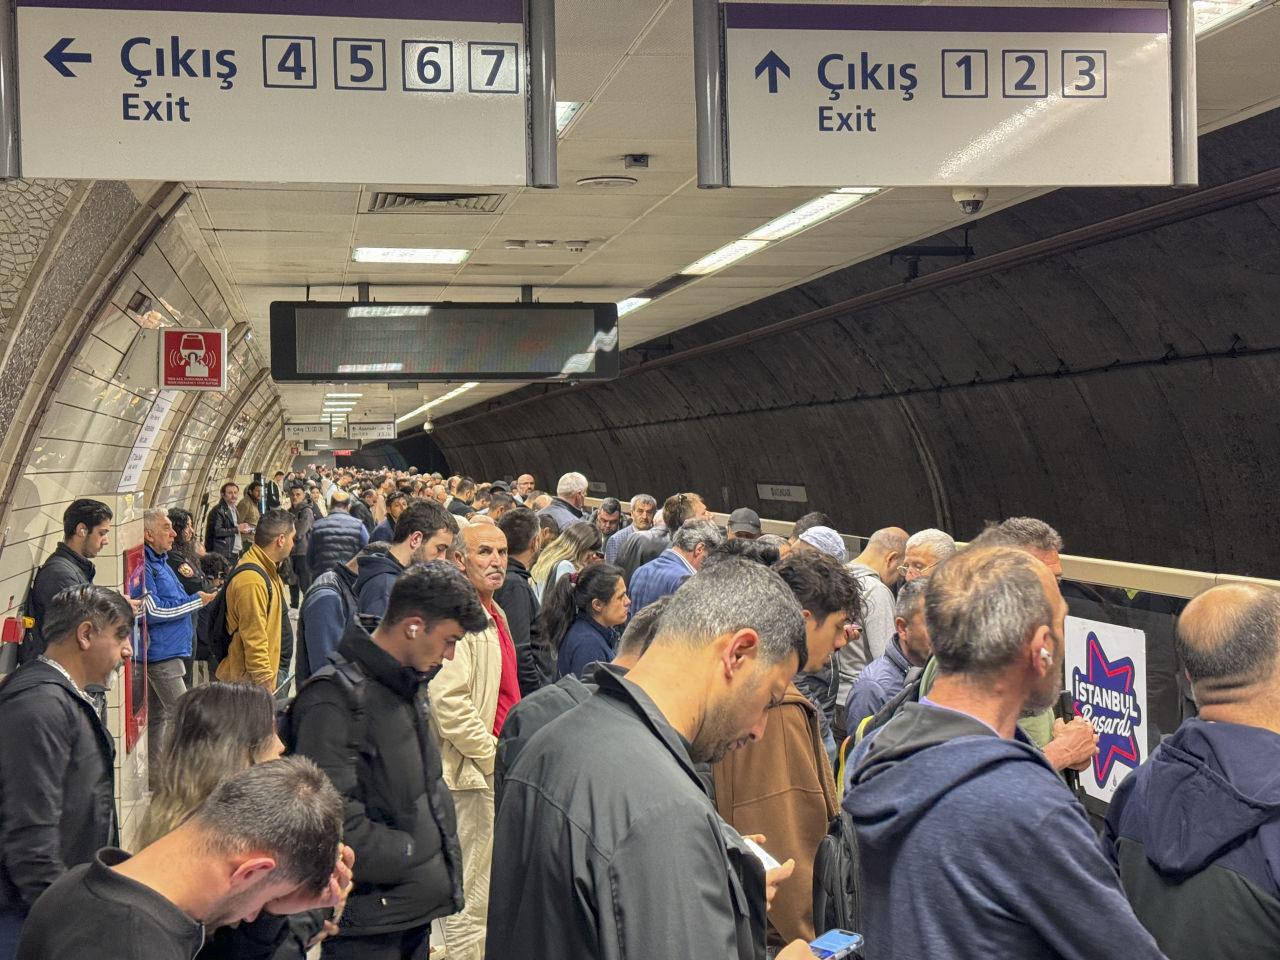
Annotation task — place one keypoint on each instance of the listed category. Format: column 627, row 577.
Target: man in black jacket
column 223, row 529
column 364, row 719
column 518, row 601
column 606, row 802
column 423, row 533
column 57, row 760
column 86, row 528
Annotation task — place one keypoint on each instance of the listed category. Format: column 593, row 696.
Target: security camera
column 970, row 199
column 428, row 426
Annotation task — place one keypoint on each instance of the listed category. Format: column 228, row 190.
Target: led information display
column 349, row 342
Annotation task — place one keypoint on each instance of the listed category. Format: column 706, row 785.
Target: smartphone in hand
column 836, row 945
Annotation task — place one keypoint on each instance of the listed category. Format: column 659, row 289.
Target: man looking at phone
column 606, row 801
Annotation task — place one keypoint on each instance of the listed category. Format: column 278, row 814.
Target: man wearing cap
column 744, row 524
column 822, row 686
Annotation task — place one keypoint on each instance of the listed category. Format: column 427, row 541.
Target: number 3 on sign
column 289, row 62
column 495, row 67
column 1084, row 73
column 428, row 65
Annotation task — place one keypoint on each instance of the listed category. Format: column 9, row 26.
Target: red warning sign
column 193, row 360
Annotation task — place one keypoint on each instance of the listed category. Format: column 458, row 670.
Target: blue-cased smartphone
column 836, row 945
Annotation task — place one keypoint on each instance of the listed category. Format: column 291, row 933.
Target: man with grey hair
column 955, row 768
column 876, row 569
column 925, row 550
column 268, row 838
column 643, row 510
column 885, row 677
column 663, row 575
column 606, row 801
column 569, row 504
column 171, row 630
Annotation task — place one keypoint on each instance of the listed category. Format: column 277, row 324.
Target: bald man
column 876, row 570
column 1195, row 831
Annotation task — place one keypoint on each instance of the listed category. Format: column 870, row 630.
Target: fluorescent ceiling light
column 866, row 191
column 1213, row 13
column 370, row 367
column 408, row 255
column 566, row 110
column 806, row 215
column 344, row 394
column 631, row 303
column 432, row 404
column 726, row 255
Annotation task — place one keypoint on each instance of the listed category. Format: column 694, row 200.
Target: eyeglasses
column 916, row 567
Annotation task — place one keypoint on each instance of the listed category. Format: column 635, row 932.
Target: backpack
column 218, row 637
column 837, row 903
column 350, row 680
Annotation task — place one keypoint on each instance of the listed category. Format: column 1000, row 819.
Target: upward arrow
column 59, row 57
column 775, row 65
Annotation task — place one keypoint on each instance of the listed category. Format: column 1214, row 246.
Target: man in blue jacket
column 423, row 533
column 170, row 627
column 884, row 677
column 663, row 575
column 970, row 844
column 1195, row 831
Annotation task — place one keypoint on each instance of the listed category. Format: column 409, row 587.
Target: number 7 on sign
column 494, row 67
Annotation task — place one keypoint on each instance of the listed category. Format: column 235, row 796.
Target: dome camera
column 970, row 199
column 428, row 426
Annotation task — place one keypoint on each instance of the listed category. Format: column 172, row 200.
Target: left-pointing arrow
column 59, row 56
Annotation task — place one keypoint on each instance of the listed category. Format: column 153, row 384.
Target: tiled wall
column 86, row 434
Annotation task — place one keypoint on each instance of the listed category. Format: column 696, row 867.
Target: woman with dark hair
column 217, row 731
column 184, row 555
column 580, row 617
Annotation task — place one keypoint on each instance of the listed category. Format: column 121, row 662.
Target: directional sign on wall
column 890, row 95
column 380, row 91
column 372, row 431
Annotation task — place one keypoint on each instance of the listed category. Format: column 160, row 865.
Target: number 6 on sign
column 494, row 67
column 428, row 65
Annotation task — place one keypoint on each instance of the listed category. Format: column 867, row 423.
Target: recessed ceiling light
column 864, row 190
column 607, row 182
column 409, row 255
column 344, row 395
column 630, row 304
column 432, row 404
column 370, row 367
column 726, row 255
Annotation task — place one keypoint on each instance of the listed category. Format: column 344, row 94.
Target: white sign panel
column 1106, row 669
column 307, row 431
column 788, row 492
column 381, row 91
column 891, row 95
column 131, row 476
column 371, row 431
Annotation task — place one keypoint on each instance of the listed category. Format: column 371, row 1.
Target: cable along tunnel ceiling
column 1123, row 389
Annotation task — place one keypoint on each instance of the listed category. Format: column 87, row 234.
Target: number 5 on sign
column 495, row 67
column 428, row 65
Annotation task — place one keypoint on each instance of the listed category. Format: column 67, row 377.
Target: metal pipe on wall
column 1186, row 124
column 542, row 93
column 10, row 161
column 708, row 95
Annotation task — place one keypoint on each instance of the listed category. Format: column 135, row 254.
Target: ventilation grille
column 435, row 202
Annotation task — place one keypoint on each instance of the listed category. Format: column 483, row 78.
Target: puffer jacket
column 335, row 539
column 399, row 817
column 464, row 695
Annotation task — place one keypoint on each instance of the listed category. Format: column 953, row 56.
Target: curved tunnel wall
column 1124, row 390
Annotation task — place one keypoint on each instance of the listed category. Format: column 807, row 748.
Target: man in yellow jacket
column 255, row 605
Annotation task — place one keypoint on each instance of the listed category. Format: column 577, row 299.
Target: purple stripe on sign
column 466, row 11
column 812, row 16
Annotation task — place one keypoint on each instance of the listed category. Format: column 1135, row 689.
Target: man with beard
column 606, row 803
column 954, row 779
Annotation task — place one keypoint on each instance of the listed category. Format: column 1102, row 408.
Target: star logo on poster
column 1104, row 695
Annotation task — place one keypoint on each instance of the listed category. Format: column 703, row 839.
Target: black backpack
column 350, row 680
column 214, row 616
column 837, row 903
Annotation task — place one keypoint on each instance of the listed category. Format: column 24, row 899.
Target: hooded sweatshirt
column 1196, row 834
column 973, row 848
column 377, row 576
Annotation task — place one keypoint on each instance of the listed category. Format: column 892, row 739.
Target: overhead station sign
column 380, row 91
column 943, row 94
column 372, row 431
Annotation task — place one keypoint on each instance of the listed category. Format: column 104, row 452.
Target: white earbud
column 413, row 630
column 1046, row 656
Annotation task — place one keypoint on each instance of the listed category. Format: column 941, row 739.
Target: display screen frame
column 284, row 333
